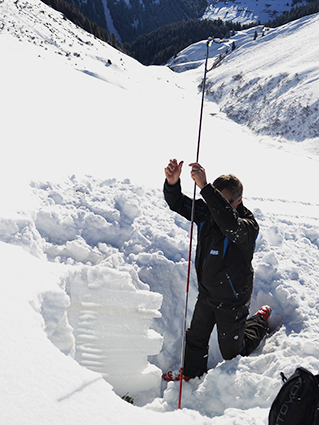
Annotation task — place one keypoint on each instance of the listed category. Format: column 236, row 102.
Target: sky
column 93, row 263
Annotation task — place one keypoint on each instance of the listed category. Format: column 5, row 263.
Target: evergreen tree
column 160, row 45
column 295, row 13
column 73, row 14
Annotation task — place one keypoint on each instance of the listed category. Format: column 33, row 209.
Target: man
column 227, row 232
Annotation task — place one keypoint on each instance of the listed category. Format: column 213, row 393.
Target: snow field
column 246, row 11
column 272, row 91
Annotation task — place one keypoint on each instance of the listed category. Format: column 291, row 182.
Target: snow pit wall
column 111, row 322
column 102, row 312
column 103, row 322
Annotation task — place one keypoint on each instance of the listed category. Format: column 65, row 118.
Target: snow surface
column 247, row 11
column 93, row 263
column 274, row 91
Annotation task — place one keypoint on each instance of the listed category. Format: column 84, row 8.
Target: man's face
column 228, row 196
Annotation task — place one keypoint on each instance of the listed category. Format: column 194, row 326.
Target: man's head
column 231, row 187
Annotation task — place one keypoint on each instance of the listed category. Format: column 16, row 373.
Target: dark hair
column 230, row 182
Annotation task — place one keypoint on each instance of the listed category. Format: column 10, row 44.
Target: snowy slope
column 93, row 263
column 247, row 11
column 274, row 91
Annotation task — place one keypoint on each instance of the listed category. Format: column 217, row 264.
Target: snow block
column 111, row 319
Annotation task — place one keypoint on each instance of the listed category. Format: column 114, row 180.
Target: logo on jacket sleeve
column 213, row 252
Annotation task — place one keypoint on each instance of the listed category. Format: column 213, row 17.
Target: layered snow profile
column 111, row 322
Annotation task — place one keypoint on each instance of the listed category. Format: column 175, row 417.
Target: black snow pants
column 236, row 335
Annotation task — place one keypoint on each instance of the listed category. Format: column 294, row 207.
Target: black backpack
column 297, row 402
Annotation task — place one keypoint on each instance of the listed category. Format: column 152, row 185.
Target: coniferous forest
column 132, row 18
column 296, row 12
column 158, row 46
column 78, row 18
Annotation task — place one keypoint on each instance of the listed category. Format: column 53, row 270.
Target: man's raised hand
column 173, row 171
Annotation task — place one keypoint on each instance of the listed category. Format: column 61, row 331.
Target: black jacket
column 225, row 247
